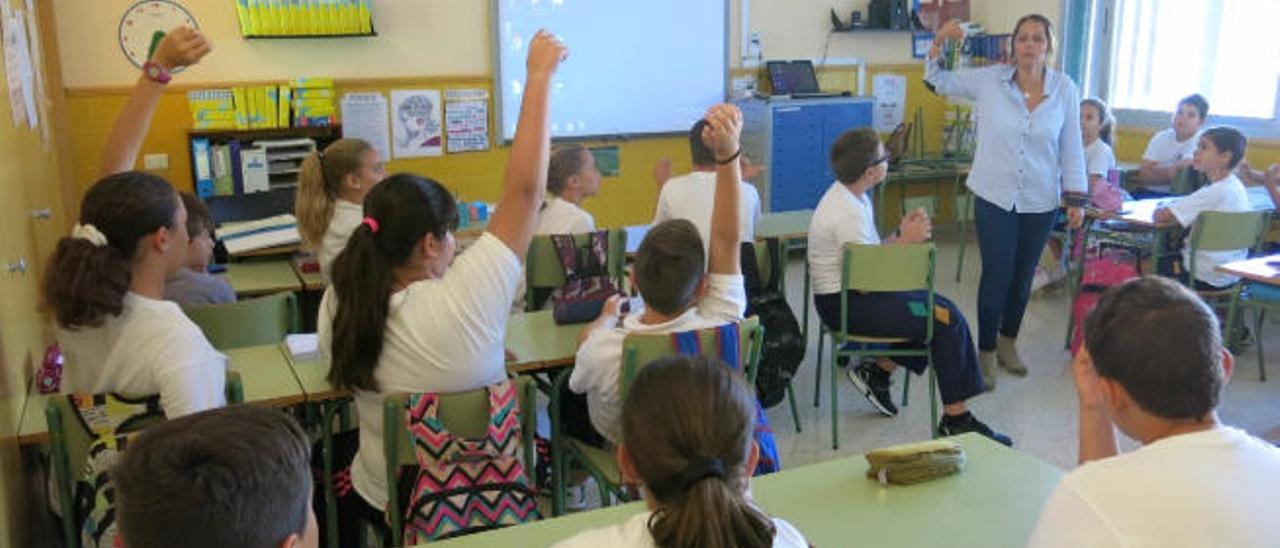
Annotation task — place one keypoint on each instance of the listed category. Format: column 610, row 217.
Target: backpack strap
column 567, row 252
column 778, row 269
column 750, row 268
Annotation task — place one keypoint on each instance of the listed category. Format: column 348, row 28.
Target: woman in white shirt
column 687, row 441
column 1029, row 161
column 332, row 184
column 402, row 315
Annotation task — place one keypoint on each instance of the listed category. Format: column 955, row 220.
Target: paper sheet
column 364, row 116
column 890, row 92
column 417, row 128
column 466, row 119
column 18, row 72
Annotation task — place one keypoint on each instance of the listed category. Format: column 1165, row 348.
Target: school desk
column 264, row 372
column 1263, row 270
column 994, row 503
column 918, row 170
column 261, row 277
column 311, row 281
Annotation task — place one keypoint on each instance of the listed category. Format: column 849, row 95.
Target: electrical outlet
column 155, row 162
column 755, row 45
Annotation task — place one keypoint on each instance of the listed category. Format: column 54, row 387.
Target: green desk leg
column 330, row 497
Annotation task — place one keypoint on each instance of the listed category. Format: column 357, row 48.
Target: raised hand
column 724, row 127
column 662, row 172
column 546, row 52
column 181, row 47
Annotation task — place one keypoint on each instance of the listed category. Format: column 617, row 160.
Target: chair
column 638, row 350
column 1262, row 298
column 964, row 216
column 252, row 322
column 70, row 440
column 1224, row 231
column 465, row 414
column 881, row 268
column 544, row 272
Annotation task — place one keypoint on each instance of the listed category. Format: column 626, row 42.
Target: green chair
column 881, row 268
column 252, row 322
column 1223, row 231
column 1186, row 181
column 542, row 264
column 1262, row 298
column 465, row 414
column 766, row 265
column 69, row 442
column 964, row 216
column 638, row 350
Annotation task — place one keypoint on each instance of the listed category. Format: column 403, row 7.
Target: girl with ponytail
column 687, row 441
column 332, row 184
column 401, row 315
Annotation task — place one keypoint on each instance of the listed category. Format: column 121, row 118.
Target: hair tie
column 700, row 469
column 371, row 223
column 89, row 233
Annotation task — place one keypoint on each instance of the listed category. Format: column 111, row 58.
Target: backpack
column 687, row 343
column 467, row 485
column 1103, row 268
column 784, row 346
column 587, row 283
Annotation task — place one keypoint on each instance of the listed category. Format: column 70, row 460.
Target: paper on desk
column 364, row 116
column 303, row 345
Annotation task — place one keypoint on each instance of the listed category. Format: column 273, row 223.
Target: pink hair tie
column 371, row 223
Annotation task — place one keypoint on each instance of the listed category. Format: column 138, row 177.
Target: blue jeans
column 1011, row 244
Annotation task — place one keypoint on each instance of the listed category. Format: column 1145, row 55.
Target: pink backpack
column 1102, row 269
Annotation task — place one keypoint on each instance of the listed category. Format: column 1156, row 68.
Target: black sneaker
column 960, row 424
column 873, row 382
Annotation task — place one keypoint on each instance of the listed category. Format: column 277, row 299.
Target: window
column 1163, row 50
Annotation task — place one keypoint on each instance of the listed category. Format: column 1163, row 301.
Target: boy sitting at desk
column 1154, row 365
column 1171, row 149
column 192, row 284
column 679, row 295
column 689, row 196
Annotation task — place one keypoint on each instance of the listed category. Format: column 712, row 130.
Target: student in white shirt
column 1219, row 152
column 571, row 177
column 105, row 283
column 332, row 184
column 402, row 315
column 1153, row 366
column 1172, row 149
column 689, row 196
column 679, row 292
column 687, row 440
column 844, row 216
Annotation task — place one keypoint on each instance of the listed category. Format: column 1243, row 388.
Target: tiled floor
column 1038, row 411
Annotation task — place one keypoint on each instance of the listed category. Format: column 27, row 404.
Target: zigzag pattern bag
column 467, row 485
column 111, row 421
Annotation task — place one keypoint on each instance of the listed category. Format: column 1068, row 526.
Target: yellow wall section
column 1132, row 142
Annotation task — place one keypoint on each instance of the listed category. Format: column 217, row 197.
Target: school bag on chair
column 587, row 283
column 783, row 348
column 467, row 485
column 1103, row 268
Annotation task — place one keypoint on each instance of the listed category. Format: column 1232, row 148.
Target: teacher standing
column 1029, row 161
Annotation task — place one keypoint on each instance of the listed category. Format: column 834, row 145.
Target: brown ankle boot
column 987, row 360
column 1007, row 356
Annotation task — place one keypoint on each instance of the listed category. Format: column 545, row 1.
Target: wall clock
column 139, row 24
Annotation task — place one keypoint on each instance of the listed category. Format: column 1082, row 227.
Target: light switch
column 155, row 162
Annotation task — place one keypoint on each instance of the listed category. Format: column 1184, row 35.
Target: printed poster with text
column 466, row 123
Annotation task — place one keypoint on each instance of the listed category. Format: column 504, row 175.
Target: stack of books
column 242, row 237
column 304, row 17
column 313, row 102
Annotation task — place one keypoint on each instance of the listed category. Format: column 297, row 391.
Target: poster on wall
column 416, row 123
column 466, row 113
column 364, row 116
column 890, row 92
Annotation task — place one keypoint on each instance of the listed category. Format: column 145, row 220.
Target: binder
column 200, row 163
column 237, row 170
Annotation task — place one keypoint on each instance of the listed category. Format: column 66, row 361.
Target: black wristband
column 726, row 161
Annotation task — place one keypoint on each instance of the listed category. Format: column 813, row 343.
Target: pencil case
column 915, row 462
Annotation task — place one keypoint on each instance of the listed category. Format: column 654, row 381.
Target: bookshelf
column 243, row 191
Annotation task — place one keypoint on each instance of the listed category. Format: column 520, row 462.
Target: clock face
column 141, row 21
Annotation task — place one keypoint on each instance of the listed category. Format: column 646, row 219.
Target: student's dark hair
column 1106, row 121
column 566, row 161
column 319, row 183
column 1198, row 101
column 1161, row 343
column 84, row 283
column 1033, row 18
column 198, row 218
column 669, row 265
column 852, row 153
column 405, row 208
column 699, row 152
column 687, row 427
column 233, row 476
column 1227, row 139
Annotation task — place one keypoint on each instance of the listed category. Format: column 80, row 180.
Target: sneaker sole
column 863, row 387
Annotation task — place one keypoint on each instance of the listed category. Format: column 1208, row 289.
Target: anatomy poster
column 416, row 122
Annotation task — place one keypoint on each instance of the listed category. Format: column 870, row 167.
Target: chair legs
column 835, row 398
column 817, row 371
column 1258, row 317
column 795, row 413
column 906, row 386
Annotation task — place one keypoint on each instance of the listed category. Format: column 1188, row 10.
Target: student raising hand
column 724, row 126
column 182, row 47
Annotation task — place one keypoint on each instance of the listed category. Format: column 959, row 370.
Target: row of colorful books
column 304, row 102
column 227, row 169
column 304, row 17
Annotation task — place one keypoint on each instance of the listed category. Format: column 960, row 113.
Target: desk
column 785, row 226
column 311, row 281
column 919, row 170
column 264, row 372
column 1257, row 269
column 261, row 277
column 994, row 503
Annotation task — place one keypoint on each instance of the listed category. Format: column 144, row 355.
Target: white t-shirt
column 1165, row 149
column 442, row 336
column 597, row 371
column 840, row 218
column 634, row 533
column 1227, row 194
column 347, row 216
column 150, row 348
column 690, row 197
column 1098, row 159
column 563, row 217
column 1211, row 488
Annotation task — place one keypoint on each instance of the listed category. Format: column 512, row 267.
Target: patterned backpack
column 467, row 485
column 687, row 343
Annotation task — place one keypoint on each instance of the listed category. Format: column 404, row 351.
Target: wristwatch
column 156, row 72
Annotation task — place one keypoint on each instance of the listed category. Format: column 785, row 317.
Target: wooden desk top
column 1265, row 270
column 785, row 225
column 995, row 502
column 311, row 281
column 261, row 277
column 1142, row 212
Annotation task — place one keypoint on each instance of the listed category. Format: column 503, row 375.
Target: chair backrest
column 964, row 207
column 1186, row 181
column 542, row 264
column 929, row 203
column 252, row 322
column 1224, row 231
column 888, row 267
column 641, row 349
column 466, row 414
